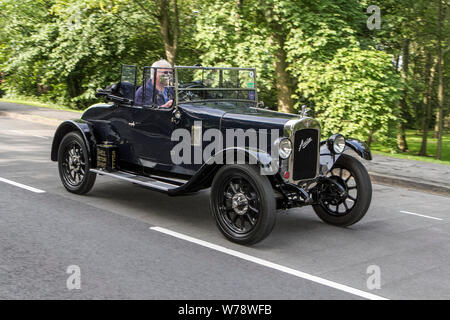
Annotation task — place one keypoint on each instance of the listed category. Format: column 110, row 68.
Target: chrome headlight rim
column 336, row 143
column 284, row 146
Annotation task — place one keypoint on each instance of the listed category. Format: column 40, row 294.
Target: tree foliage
column 332, row 65
column 320, row 53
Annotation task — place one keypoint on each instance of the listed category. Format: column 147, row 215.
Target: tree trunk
column 440, row 56
column 283, row 79
column 397, row 61
column 427, row 97
column 169, row 28
column 74, row 85
column 237, row 20
column 283, row 85
column 440, row 107
column 401, row 137
column 370, row 137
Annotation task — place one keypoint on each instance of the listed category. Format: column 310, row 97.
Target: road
column 132, row 243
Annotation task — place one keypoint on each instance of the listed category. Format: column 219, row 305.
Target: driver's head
column 162, row 75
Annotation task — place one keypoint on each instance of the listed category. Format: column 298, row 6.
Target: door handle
column 133, row 124
column 176, row 116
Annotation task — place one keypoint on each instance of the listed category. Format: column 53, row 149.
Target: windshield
column 161, row 86
column 200, row 84
column 157, row 88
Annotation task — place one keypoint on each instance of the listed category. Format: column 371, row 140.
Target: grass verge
column 414, row 140
column 35, row 103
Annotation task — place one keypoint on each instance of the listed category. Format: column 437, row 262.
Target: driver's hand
column 168, row 104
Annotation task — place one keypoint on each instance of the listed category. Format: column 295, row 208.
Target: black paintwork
column 361, row 148
column 144, row 134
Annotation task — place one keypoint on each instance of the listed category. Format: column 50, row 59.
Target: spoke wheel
column 239, row 204
column 346, row 197
column 73, row 164
column 332, row 200
column 243, row 203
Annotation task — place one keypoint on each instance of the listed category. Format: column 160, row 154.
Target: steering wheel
column 188, row 95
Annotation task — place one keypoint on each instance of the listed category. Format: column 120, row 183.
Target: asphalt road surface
column 132, row 243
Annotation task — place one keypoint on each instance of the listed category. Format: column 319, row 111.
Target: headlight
column 336, row 143
column 284, row 148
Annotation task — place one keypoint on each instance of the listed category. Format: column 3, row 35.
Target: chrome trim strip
column 216, row 89
column 296, row 117
column 167, row 178
column 213, row 68
column 290, row 128
column 159, row 185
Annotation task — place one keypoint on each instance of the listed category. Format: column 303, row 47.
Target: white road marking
column 421, row 215
column 21, row 186
column 271, row 265
column 29, row 133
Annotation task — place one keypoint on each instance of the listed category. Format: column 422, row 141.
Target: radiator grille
column 305, row 154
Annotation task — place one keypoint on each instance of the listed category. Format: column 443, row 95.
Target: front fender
column 361, row 148
column 236, row 155
column 328, row 159
column 81, row 126
column 204, row 176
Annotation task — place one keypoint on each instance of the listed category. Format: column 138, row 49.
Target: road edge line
column 421, row 215
column 20, row 185
column 272, row 265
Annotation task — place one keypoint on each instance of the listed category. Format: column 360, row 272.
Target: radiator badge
column 304, row 144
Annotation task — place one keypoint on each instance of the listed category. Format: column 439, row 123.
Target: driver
column 164, row 94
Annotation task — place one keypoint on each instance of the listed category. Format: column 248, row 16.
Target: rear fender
column 80, row 126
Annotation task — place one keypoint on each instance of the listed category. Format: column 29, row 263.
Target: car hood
column 227, row 115
column 255, row 118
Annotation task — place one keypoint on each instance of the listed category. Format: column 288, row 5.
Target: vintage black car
column 184, row 129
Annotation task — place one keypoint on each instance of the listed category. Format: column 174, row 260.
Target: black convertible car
column 184, row 129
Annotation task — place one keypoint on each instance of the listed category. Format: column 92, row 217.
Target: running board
column 141, row 180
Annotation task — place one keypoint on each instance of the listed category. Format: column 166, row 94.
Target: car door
column 152, row 131
column 122, row 120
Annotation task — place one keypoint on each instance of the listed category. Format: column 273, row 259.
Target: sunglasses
column 165, row 72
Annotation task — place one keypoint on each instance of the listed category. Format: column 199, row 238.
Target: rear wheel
column 347, row 200
column 243, row 204
column 73, row 164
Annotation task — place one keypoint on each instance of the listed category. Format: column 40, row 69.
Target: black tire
column 75, row 174
column 359, row 181
column 252, row 191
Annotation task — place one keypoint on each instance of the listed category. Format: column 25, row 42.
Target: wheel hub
column 340, row 189
column 239, row 203
column 75, row 163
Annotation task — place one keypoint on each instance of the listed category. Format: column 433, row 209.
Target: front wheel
column 346, row 200
column 73, row 164
column 243, row 204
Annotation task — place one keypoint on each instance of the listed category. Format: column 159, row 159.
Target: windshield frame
column 178, row 89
